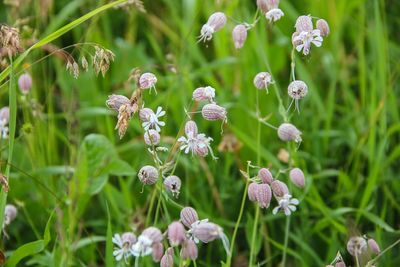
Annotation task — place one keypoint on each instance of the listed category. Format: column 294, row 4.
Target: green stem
column 12, row 127
column 287, row 229
column 254, row 234
column 371, row 262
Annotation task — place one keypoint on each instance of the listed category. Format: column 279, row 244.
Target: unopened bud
column 279, row 188
column 289, row 132
column 303, row 24
column 373, row 245
column 148, row 175
column 189, row 216
column 151, row 137
column 265, row 175
column 204, row 93
column 239, row 35
column 189, row 250
column 153, row 233
column 191, row 128
column 176, row 233
column 25, row 83
column 297, row 177
column 323, row 27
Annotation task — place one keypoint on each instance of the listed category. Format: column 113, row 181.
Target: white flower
column 305, row 39
column 287, row 204
column 198, row 145
column 206, row 33
column 142, row 247
column 123, row 248
column 153, row 122
column 209, row 92
column 188, row 143
column 274, row 15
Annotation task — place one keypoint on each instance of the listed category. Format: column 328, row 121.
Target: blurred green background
column 350, row 123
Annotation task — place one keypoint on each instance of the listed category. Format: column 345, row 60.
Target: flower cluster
column 263, row 186
column 185, row 233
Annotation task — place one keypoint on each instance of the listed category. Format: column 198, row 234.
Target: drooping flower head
column 215, row 22
column 287, row 204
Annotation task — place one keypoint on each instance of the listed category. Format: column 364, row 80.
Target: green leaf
column 109, row 244
column 97, row 184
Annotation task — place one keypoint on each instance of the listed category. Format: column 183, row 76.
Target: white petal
column 287, row 212
column 161, row 123
column 292, row 208
column 275, row 210
column 294, row 201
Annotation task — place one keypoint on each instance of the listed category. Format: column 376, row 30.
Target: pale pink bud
column 265, row 175
column 10, row 213
column 279, row 188
column 189, row 250
column 289, row 132
column 297, row 89
column 173, row 184
column 262, row 80
column 297, row 177
column 201, row 148
column 204, row 93
column 304, row 24
column 239, row 35
column 191, row 128
column 151, row 137
column 373, row 245
column 4, row 115
column 217, row 21
column 340, row 264
column 158, row 251
column 252, row 191
column 25, row 83
column 213, row 112
column 206, row 231
column 116, row 101
column 145, row 114
column 128, row 238
column 147, row 81
column 264, row 195
column 176, row 233
column 148, row 175
column 168, row 259
column 153, row 233
column 356, row 246
column 189, row 216
column 323, row 27
column 267, row 5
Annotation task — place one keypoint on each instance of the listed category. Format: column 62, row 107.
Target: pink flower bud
column 145, row 114
column 356, row 246
column 189, row 216
column 297, row 89
column 206, row 231
column 217, row 21
column 128, row 238
column 147, row 81
column 191, row 128
column 323, row 27
column 265, row 175
column 168, row 259
column 201, row 148
column 267, row 5
column 158, row 251
column 264, row 195
column 151, row 137
column 116, row 101
column 239, row 35
column 340, row 264
column 252, row 191
column 25, row 83
column 288, row 132
column 204, row 93
column 4, row 115
column 373, row 245
column 153, row 233
column 262, row 80
column 279, row 188
column 148, row 175
column 173, row 184
column 297, row 177
column 189, row 250
column 304, row 24
column 176, row 234
column 213, row 112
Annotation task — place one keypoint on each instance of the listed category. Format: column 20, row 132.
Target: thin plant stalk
column 286, row 240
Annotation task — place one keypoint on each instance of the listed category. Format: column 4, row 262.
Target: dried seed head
column 239, row 35
column 373, row 245
column 252, row 191
column 262, row 80
column 148, row 175
column 265, row 175
column 303, row 24
column 289, row 132
column 102, row 60
column 153, row 233
column 191, row 128
column 297, row 177
column 213, row 112
column 125, row 112
column 189, row 216
column 204, row 93
column 297, row 89
column 114, row 102
column 25, row 83
column 356, row 246
column 129, row 238
column 4, row 115
column 9, row 40
column 84, row 64
column 158, row 251
column 151, row 137
column 173, row 184
column 147, row 81
column 206, row 231
column 145, row 114
column 323, row 27
column 274, row 15
column 263, row 195
column 215, row 22
column 189, row 250
column 167, row 260
column 10, row 213
column 279, row 188
column 176, row 234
